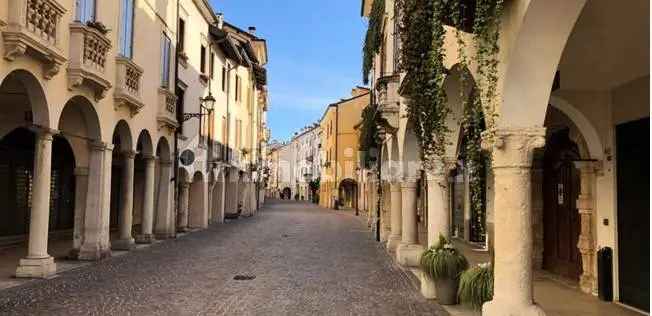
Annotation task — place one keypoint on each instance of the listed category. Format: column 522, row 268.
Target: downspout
column 177, row 130
column 337, row 125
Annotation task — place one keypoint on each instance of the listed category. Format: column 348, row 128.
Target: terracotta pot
column 447, row 291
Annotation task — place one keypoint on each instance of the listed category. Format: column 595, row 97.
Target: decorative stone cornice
column 513, row 147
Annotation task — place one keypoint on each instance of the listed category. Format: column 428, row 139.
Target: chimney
column 252, row 30
column 220, row 20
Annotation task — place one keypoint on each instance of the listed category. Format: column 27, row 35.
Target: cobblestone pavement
column 306, row 261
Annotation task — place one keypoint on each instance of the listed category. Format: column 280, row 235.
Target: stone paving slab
column 306, row 260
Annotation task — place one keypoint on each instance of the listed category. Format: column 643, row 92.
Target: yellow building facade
column 338, row 187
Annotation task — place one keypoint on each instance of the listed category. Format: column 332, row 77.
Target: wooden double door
column 561, row 218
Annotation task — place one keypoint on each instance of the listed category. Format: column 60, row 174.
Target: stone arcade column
column 438, row 214
column 409, row 250
column 439, row 201
column 146, row 236
column 586, row 241
column 93, row 246
column 81, row 187
column 512, row 150
column 38, row 263
column 126, row 241
column 184, row 199
column 395, row 209
column 164, row 228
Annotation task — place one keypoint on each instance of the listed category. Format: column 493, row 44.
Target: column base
column 392, row 243
column 93, row 253
column 36, row 268
column 145, row 239
column 428, row 289
column 123, row 244
column 506, row 308
column 165, row 235
column 408, row 255
column 182, row 230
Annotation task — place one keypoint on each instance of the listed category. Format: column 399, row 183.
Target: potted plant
column 443, row 263
column 477, row 285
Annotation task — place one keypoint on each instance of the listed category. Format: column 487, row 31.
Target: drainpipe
column 337, row 184
column 175, row 179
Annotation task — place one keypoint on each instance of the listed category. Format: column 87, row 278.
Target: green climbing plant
column 422, row 56
column 373, row 38
column 422, row 59
column 368, row 141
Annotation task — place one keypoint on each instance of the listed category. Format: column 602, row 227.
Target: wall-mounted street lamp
column 207, row 103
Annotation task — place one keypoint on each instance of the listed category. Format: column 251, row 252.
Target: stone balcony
column 127, row 85
column 88, row 55
column 33, row 29
column 389, row 99
column 167, row 109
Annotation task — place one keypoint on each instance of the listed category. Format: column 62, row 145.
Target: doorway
column 633, row 168
column 561, row 218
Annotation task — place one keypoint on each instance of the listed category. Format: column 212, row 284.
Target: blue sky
column 315, row 54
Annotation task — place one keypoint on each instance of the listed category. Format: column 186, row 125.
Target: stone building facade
column 567, row 176
column 92, row 126
column 340, row 147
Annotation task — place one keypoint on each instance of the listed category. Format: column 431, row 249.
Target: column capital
column 96, row 145
column 44, row 133
column 588, row 166
column 512, row 147
column 148, row 157
column 128, row 153
column 409, row 183
column 81, row 171
column 440, row 168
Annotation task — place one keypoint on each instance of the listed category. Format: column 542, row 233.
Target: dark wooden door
column 633, row 169
column 561, row 218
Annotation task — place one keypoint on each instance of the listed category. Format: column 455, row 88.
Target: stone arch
column 21, row 87
column 347, row 193
column 455, row 102
column 122, row 139
column 144, row 145
column 410, row 153
column 197, row 210
column 80, row 125
column 534, row 58
column 587, row 131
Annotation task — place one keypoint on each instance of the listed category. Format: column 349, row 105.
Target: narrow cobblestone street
column 306, row 261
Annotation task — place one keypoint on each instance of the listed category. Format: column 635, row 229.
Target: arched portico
column 122, row 187
column 197, row 206
column 164, row 217
column 580, row 82
column 144, row 187
column 348, row 191
column 80, row 126
column 218, row 197
column 26, row 112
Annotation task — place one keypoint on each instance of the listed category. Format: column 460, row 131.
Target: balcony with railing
column 127, row 85
column 217, row 152
column 89, row 47
column 33, row 30
column 167, row 109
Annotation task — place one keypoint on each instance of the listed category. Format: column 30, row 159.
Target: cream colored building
column 88, row 130
column 340, row 147
column 569, row 171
